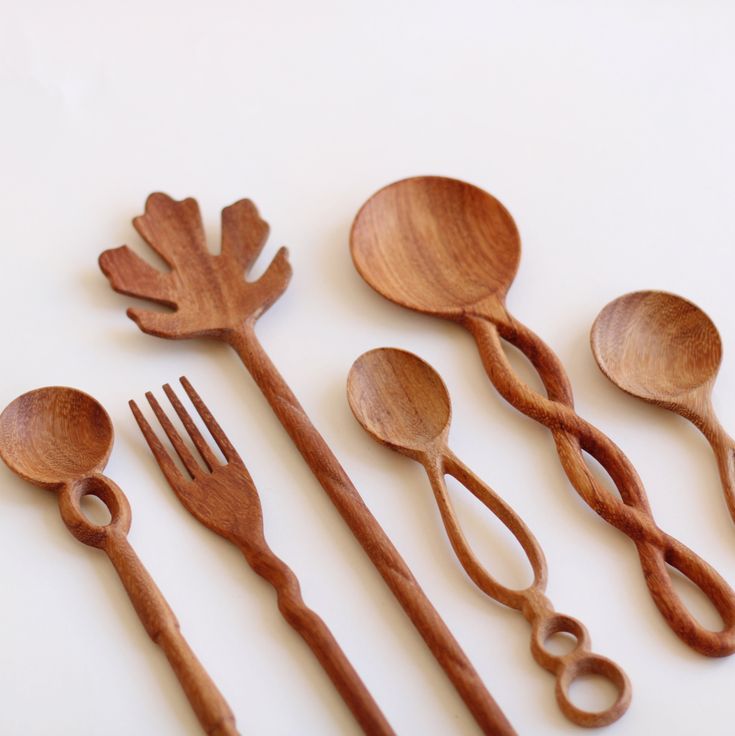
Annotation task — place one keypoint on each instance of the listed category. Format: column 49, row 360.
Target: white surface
column 607, row 131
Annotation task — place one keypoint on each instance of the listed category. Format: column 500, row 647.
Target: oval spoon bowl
column 55, row 434
column 656, row 346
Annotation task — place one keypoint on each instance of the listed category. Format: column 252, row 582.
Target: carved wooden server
column 224, row 498
column 403, row 403
column 444, row 247
column 210, row 297
column 667, row 351
column 60, row 438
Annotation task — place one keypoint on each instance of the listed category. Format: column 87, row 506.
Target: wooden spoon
column 667, row 351
column 403, row 403
column 60, row 439
column 444, row 247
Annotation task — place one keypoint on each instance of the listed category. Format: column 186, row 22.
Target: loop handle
column 85, row 530
column 531, row 601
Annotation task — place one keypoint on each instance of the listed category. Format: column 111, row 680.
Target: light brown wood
column 224, row 498
column 444, row 247
column 667, row 351
column 403, row 403
column 60, row 439
column 210, row 297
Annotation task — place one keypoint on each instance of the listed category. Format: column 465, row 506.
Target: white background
column 606, row 129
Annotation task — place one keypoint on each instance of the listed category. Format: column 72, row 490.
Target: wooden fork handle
column 162, row 626
column 632, row 515
column 368, row 532
column 317, row 636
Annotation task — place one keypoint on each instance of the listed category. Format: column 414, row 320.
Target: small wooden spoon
column 444, row 247
column 60, row 439
column 403, row 403
column 667, row 351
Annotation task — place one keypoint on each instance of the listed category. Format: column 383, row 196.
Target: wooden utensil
column 60, row 439
column 667, row 351
column 209, row 297
column 444, row 247
column 403, row 403
column 224, row 498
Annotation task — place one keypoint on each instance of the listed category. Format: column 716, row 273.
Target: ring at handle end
column 585, row 663
column 575, row 663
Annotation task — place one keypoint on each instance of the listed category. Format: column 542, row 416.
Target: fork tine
column 167, row 465
column 196, row 436
column 211, row 423
column 182, row 450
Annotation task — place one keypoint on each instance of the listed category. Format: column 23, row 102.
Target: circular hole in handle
column 602, row 686
column 79, row 523
column 557, row 636
column 561, row 643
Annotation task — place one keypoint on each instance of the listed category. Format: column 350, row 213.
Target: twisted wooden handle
column 316, row 634
column 531, row 601
column 632, row 515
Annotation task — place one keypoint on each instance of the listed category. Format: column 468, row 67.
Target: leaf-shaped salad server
column 210, row 297
column 444, row 247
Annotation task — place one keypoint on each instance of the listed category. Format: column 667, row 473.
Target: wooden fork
column 224, row 498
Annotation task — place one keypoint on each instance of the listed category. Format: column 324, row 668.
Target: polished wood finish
column 60, row 439
column 444, row 247
column 224, row 498
column 403, row 403
column 210, row 297
column 666, row 350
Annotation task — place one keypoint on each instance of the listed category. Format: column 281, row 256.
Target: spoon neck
column 697, row 407
column 490, row 309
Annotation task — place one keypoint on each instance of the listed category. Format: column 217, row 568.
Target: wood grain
column 209, row 296
column 60, row 439
column 224, row 498
column 667, row 351
column 402, row 402
column 423, row 243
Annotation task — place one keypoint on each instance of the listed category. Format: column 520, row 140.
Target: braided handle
column 632, row 515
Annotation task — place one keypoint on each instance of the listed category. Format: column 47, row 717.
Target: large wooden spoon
column 444, row 247
column 60, row 439
column 403, row 403
column 666, row 350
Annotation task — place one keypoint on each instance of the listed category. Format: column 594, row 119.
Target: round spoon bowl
column 398, row 398
column 54, row 435
column 435, row 245
column 656, row 346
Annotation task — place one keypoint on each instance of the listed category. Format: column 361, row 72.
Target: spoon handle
column 153, row 611
column 631, row 515
column 531, row 601
column 162, row 626
column 724, row 448
column 437, row 466
column 368, row 532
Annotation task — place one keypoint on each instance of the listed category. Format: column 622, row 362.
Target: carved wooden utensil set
column 437, row 246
